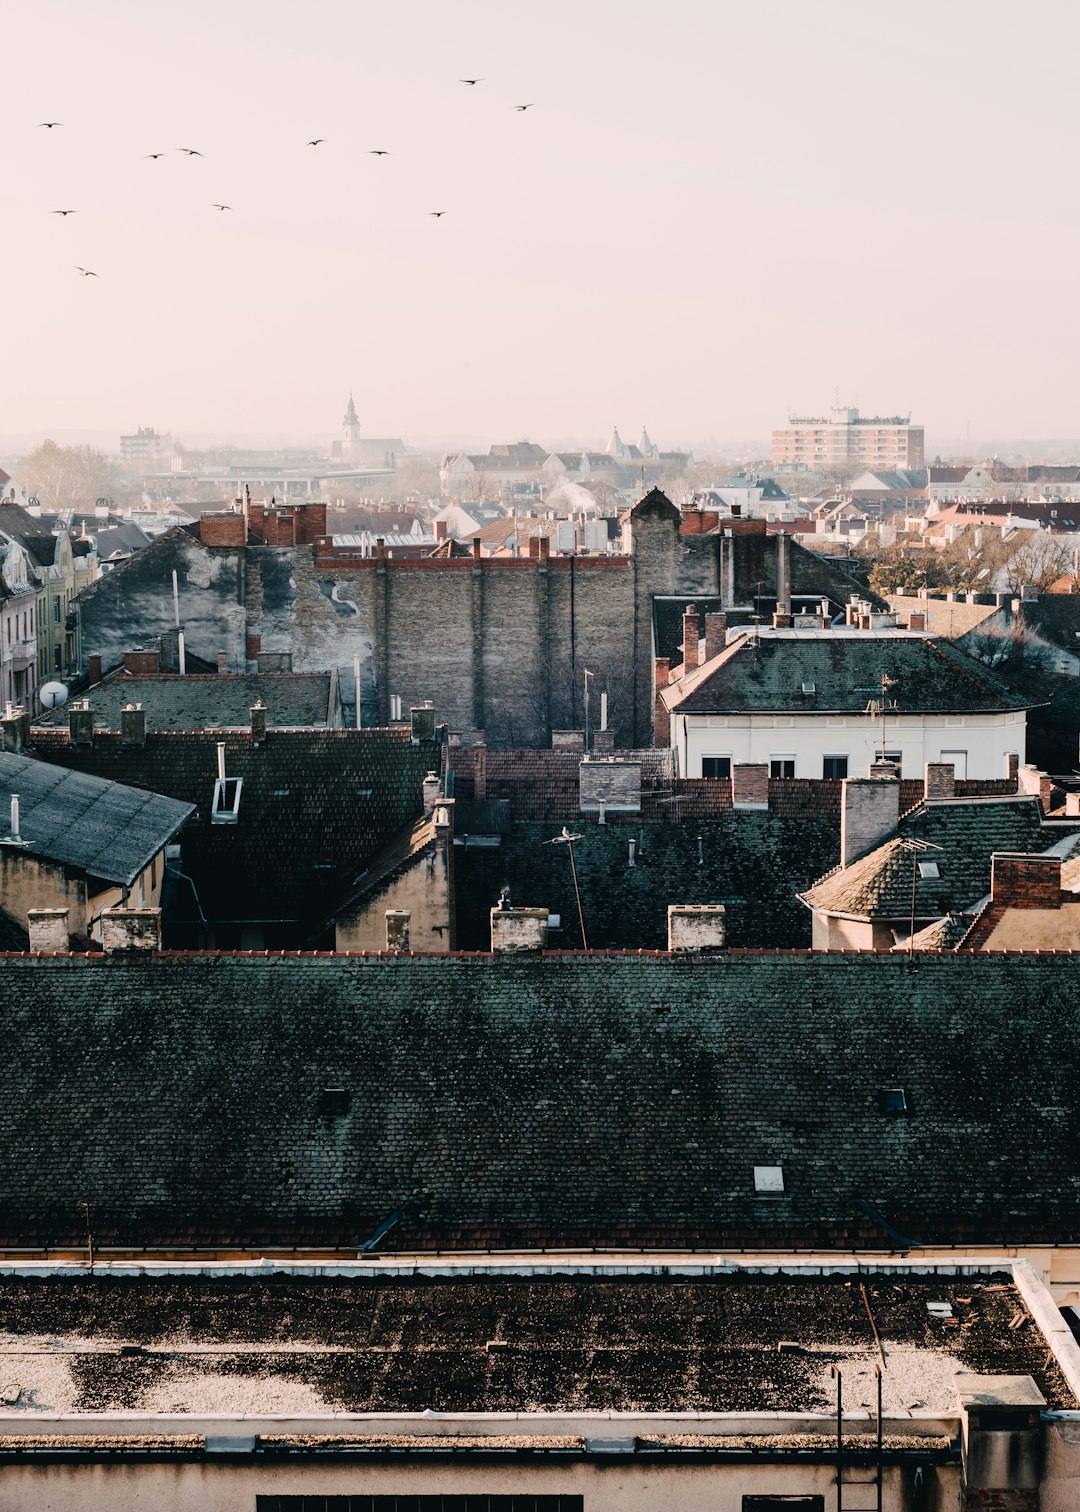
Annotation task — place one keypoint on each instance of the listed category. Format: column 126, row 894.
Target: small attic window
column 929, row 870
column 365, row 792
column 809, row 689
column 226, row 809
column 334, row 1102
column 769, row 1180
column 892, row 1100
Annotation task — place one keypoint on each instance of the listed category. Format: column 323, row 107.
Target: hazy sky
column 714, row 212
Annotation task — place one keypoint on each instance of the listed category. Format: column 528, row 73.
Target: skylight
column 769, row 1180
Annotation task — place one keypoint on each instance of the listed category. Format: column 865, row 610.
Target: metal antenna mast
column 567, row 839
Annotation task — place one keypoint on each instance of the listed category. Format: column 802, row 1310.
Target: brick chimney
column 749, row 786
column 1022, row 881
column 691, row 634
column 715, row 633
column 222, row 662
column 143, row 661
column 130, row 930
column 257, row 713
column 916, row 620
column 14, row 729
column 518, row 931
column 940, row 780
column 422, row 718
column 696, row 927
column 1012, row 768
column 397, row 928
column 661, row 717
column 81, row 723
column 869, row 812
column 431, row 787
column 93, row 669
column 48, row 929
column 133, row 725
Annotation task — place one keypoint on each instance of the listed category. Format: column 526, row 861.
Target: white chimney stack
column 15, row 819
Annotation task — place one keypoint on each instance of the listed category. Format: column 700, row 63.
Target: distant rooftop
column 205, row 702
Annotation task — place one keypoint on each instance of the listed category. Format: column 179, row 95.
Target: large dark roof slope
column 104, row 828
column 768, row 672
column 572, row 1099
column 219, row 701
column 316, row 805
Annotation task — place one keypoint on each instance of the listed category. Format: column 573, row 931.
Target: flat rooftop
column 305, row 1345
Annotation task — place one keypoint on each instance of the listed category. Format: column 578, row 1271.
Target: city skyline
column 688, row 226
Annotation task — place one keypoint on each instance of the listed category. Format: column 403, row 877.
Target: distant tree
column 416, row 476
column 67, row 476
column 1037, row 562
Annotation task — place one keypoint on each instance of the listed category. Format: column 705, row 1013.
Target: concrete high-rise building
column 844, row 437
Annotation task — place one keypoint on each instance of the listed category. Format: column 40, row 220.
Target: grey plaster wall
column 133, row 605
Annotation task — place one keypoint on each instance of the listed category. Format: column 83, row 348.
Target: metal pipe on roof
column 15, row 818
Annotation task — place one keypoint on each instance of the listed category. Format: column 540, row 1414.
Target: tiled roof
column 943, row 934
column 572, row 1099
column 103, row 828
column 316, row 805
column 967, row 832
column 950, row 618
column 171, row 702
column 755, row 864
column 766, row 672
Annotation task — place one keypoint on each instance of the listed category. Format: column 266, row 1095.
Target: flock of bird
column 193, row 152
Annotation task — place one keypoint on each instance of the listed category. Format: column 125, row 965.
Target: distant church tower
column 350, row 433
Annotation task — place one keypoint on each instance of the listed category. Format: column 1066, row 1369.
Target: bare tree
column 64, row 476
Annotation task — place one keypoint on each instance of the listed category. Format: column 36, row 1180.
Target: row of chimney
column 123, row 930
column 693, row 928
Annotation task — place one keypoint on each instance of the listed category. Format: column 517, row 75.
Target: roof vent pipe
column 180, row 650
column 632, row 859
column 15, row 819
column 221, row 761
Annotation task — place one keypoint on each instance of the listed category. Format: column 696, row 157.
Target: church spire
column 351, row 417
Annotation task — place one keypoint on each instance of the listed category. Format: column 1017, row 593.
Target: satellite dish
column 53, row 694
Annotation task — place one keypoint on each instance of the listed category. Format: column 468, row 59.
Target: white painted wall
column 986, row 738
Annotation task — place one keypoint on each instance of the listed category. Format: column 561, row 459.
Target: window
column 929, row 870
column 716, row 766
column 476, row 1502
column 56, row 609
column 834, row 766
column 782, row 766
column 56, row 658
column 769, row 1180
column 226, row 807
column 892, row 1100
column 779, row 1504
column 959, row 761
column 334, row 1102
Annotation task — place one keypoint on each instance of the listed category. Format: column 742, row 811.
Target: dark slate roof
column 766, row 672
column 967, row 831
column 120, row 539
column 755, row 864
column 316, row 805
column 565, row 1100
column 104, row 828
column 219, row 701
column 603, row 1341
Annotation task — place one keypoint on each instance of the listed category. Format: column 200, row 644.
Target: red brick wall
column 1001, row 1501
column 1026, row 881
column 142, row 661
column 222, row 530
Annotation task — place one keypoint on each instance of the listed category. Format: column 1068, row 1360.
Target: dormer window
column 226, row 805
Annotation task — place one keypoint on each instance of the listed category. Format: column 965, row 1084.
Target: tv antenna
column 883, row 705
column 567, row 839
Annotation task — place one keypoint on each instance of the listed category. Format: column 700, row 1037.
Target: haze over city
column 706, row 217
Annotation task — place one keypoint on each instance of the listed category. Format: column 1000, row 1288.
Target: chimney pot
column 696, row 926
column 749, row 786
column 869, row 813
column 397, row 928
column 431, row 787
column 691, row 636
column 518, row 931
column 48, row 929
column 130, row 930
column 133, row 725
column 940, row 780
column 81, row 723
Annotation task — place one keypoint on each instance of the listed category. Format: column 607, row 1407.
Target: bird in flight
column 86, row 272
column 436, row 213
column 472, row 81
column 191, row 151
column 525, row 107
column 50, row 124
column 378, row 152
column 315, row 141
column 63, row 212
column 221, row 207
column 157, row 154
